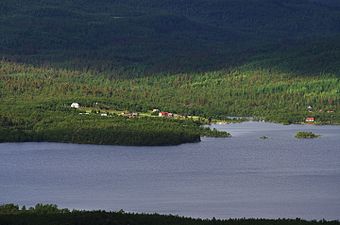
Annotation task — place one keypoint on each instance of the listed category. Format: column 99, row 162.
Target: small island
column 306, row 135
column 264, row 137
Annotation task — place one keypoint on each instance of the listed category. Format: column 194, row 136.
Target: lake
column 241, row 176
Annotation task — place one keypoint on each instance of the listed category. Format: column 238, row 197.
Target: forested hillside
column 270, row 59
column 138, row 37
column 250, row 90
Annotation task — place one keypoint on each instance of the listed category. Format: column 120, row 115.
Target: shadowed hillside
column 151, row 36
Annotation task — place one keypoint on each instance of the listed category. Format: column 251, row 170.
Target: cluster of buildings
column 75, row 105
column 312, row 119
column 164, row 114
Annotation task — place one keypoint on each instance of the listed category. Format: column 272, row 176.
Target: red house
column 164, row 114
column 310, row 119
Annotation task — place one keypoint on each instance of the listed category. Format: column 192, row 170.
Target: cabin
column 155, row 110
column 103, row 114
column 310, row 119
column 163, row 114
column 75, row 105
column 130, row 115
column 166, row 114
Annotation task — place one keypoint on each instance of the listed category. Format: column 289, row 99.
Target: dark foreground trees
column 51, row 215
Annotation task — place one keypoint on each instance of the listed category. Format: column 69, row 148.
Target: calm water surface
column 242, row 176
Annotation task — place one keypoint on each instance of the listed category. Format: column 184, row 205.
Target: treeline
column 50, row 215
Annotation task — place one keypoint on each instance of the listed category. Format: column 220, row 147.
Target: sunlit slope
column 253, row 89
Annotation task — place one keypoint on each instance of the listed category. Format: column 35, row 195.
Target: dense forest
column 35, row 106
column 11, row 214
column 272, row 60
column 245, row 91
column 54, row 121
column 142, row 37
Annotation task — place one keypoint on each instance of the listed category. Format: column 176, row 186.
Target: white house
column 75, row 105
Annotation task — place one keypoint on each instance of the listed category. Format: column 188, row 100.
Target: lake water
column 242, row 176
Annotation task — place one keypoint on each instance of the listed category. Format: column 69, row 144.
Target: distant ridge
column 162, row 36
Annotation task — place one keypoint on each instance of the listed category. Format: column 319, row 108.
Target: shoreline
column 169, row 144
column 49, row 213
